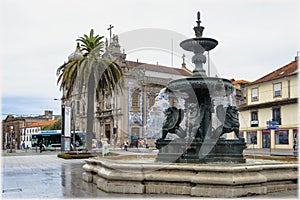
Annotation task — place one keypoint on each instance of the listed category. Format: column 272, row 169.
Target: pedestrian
column 23, row 146
column 126, row 146
column 41, row 146
column 138, row 143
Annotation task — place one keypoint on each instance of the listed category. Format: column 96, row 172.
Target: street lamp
column 12, row 135
column 62, row 138
column 66, row 125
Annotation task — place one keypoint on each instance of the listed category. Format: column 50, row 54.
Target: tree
column 87, row 67
column 55, row 126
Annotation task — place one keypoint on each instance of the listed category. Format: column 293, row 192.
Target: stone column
column 199, row 59
column 259, row 139
column 272, row 138
column 144, row 91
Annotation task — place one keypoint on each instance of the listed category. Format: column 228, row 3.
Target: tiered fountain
column 201, row 142
column 198, row 162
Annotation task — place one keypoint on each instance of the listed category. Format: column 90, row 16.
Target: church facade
column 119, row 116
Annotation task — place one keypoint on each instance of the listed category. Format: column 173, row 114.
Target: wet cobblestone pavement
column 46, row 176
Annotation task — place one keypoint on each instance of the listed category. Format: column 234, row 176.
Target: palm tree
column 101, row 76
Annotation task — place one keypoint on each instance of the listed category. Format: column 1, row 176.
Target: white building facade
column 33, row 128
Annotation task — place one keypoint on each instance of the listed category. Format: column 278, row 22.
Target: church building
column 120, row 116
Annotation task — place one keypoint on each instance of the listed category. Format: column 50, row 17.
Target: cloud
column 254, row 36
column 28, row 106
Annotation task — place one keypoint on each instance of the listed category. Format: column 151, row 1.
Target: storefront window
column 266, row 139
column 282, row 137
column 252, row 137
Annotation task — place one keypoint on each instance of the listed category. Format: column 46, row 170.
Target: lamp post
column 62, row 148
column 68, row 119
column 73, row 125
column 12, row 135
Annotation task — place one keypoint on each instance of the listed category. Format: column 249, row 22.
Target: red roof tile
column 287, row 70
column 234, row 82
column 40, row 124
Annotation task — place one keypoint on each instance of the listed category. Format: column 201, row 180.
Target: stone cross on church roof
column 109, row 29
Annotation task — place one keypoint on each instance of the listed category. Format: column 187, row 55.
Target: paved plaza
column 46, row 176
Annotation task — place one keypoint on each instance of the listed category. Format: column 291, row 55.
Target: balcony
column 254, row 123
column 254, row 98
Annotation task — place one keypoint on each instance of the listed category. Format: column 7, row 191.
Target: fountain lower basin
column 199, row 86
column 143, row 176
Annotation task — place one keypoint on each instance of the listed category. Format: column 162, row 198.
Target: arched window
column 135, row 99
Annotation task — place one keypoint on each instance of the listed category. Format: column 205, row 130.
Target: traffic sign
column 272, row 122
column 273, row 127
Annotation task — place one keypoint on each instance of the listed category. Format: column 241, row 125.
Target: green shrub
column 74, row 156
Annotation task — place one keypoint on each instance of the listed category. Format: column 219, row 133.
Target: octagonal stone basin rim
column 115, row 164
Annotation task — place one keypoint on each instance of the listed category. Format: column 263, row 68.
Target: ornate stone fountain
column 189, row 164
column 200, row 142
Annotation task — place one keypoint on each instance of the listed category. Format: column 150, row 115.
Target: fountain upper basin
column 199, row 44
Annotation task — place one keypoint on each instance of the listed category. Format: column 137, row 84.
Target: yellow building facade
column 269, row 118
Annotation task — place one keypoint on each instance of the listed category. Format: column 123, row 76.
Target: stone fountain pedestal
column 196, row 151
column 130, row 175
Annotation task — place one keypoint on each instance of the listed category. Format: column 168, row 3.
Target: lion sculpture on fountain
column 229, row 118
column 174, row 116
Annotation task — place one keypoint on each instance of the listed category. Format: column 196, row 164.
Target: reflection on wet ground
column 41, row 176
column 46, row 176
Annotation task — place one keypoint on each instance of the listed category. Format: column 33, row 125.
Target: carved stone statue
column 172, row 122
column 229, row 118
column 199, row 120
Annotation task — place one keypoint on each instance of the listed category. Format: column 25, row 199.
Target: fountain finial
column 198, row 17
column 198, row 29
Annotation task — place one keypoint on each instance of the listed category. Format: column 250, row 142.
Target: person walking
column 126, row 146
column 138, row 143
column 41, row 146
column 23, row 146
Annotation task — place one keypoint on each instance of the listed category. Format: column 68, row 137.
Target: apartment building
column 269, row 118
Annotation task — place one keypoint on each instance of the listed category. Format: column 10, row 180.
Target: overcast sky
column 255, row 37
